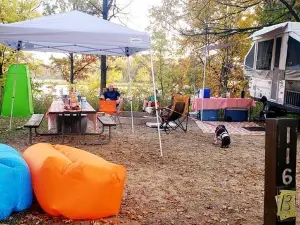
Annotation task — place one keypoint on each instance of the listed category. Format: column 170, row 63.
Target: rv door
column 275, row 71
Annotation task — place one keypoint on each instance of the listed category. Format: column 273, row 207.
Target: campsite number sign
column 280, row 167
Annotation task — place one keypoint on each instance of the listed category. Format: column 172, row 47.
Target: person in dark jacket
column 113, row 95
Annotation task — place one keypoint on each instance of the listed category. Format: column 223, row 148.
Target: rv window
column 293, row 58
column 250, row 59
column 277, row 52
column 264, row 55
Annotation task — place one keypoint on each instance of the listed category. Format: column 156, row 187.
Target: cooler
column 209, row 115
column 205, row 93
column 236, row 115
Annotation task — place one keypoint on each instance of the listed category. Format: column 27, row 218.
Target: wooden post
column 280, row 171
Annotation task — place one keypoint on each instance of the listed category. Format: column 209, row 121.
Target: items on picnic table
column 66, row 182
column 74, row 101
column 15, row 182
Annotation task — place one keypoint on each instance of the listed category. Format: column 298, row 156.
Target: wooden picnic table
column 59, row 116
column 57, row 112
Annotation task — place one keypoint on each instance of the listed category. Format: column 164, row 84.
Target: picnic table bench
column 34, row 122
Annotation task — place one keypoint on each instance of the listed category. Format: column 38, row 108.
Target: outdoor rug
column 154, row 125
column 209, row 127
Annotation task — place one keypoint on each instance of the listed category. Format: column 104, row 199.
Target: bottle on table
column 83, row 103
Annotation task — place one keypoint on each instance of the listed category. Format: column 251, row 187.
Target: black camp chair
column 177, row 113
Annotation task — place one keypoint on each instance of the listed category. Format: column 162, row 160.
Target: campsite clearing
column 194, row 183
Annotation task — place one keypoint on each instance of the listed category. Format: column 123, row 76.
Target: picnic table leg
column 63, row 129
column 109, row 133
column 102, row 128
column 30, row 136
column 79, row 132
column 79, row 121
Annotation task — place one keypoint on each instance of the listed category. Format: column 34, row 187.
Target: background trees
column 193, row 24
column 13, row 11
column 179, row 29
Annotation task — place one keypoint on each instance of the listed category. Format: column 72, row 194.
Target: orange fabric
column 74, row 183
column 181, row 98
column 109, row 106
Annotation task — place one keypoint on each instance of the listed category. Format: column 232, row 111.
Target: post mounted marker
column 280, row 172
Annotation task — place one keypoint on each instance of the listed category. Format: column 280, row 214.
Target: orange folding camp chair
column 178, row 113
column 110, row 107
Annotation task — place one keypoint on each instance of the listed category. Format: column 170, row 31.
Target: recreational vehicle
column 273, row 65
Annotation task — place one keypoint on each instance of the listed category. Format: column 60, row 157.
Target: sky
column 138, row 12
column 137, row 18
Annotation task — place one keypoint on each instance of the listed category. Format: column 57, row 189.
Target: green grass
column 7, row 134
column 18, row 132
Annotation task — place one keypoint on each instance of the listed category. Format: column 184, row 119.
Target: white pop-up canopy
column 76, row 32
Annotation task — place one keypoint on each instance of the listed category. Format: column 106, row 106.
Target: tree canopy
column 192, row 24
column 13, row 11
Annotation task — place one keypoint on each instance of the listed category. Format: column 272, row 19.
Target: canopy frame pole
column 15, row 83
column 206, row 53
column 155, row 102
column 130, row 91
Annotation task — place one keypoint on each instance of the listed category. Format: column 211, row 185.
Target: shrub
column 42, row 103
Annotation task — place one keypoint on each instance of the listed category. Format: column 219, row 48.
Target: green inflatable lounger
column 23, row 105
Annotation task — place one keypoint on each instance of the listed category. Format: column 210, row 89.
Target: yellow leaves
column 16, row 10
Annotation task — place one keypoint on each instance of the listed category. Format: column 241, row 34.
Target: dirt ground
column 195, row 182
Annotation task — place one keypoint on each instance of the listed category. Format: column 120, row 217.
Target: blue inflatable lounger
column 15, row 182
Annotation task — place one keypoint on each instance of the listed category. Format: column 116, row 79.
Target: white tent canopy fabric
column 75, row 32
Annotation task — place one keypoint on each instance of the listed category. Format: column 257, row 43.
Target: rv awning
column 269, row 30
column 74, row 32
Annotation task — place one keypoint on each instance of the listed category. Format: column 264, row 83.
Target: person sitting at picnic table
column 112, row 94
column 150, row 101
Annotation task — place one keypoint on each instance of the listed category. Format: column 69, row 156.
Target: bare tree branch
column 291, row 10
column 116, row 10
column 110, row 4
column 240, row 5
column 77, row 71
column 96, row 7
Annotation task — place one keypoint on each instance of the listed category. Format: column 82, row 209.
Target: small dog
column 222, row 134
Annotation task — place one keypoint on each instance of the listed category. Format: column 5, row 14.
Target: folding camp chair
column 110, row 107
column 177, row 114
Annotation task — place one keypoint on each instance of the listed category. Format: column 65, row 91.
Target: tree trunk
column 72, row 68
column 161, row 76
column 103, row 57
column 1, row 70
column 103, row 73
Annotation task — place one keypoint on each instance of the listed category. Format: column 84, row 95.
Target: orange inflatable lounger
column 74, row 183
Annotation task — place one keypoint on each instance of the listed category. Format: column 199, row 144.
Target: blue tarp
column 15, row 182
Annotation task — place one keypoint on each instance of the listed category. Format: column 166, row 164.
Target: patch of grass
column 7, row 134
column 17, row 132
